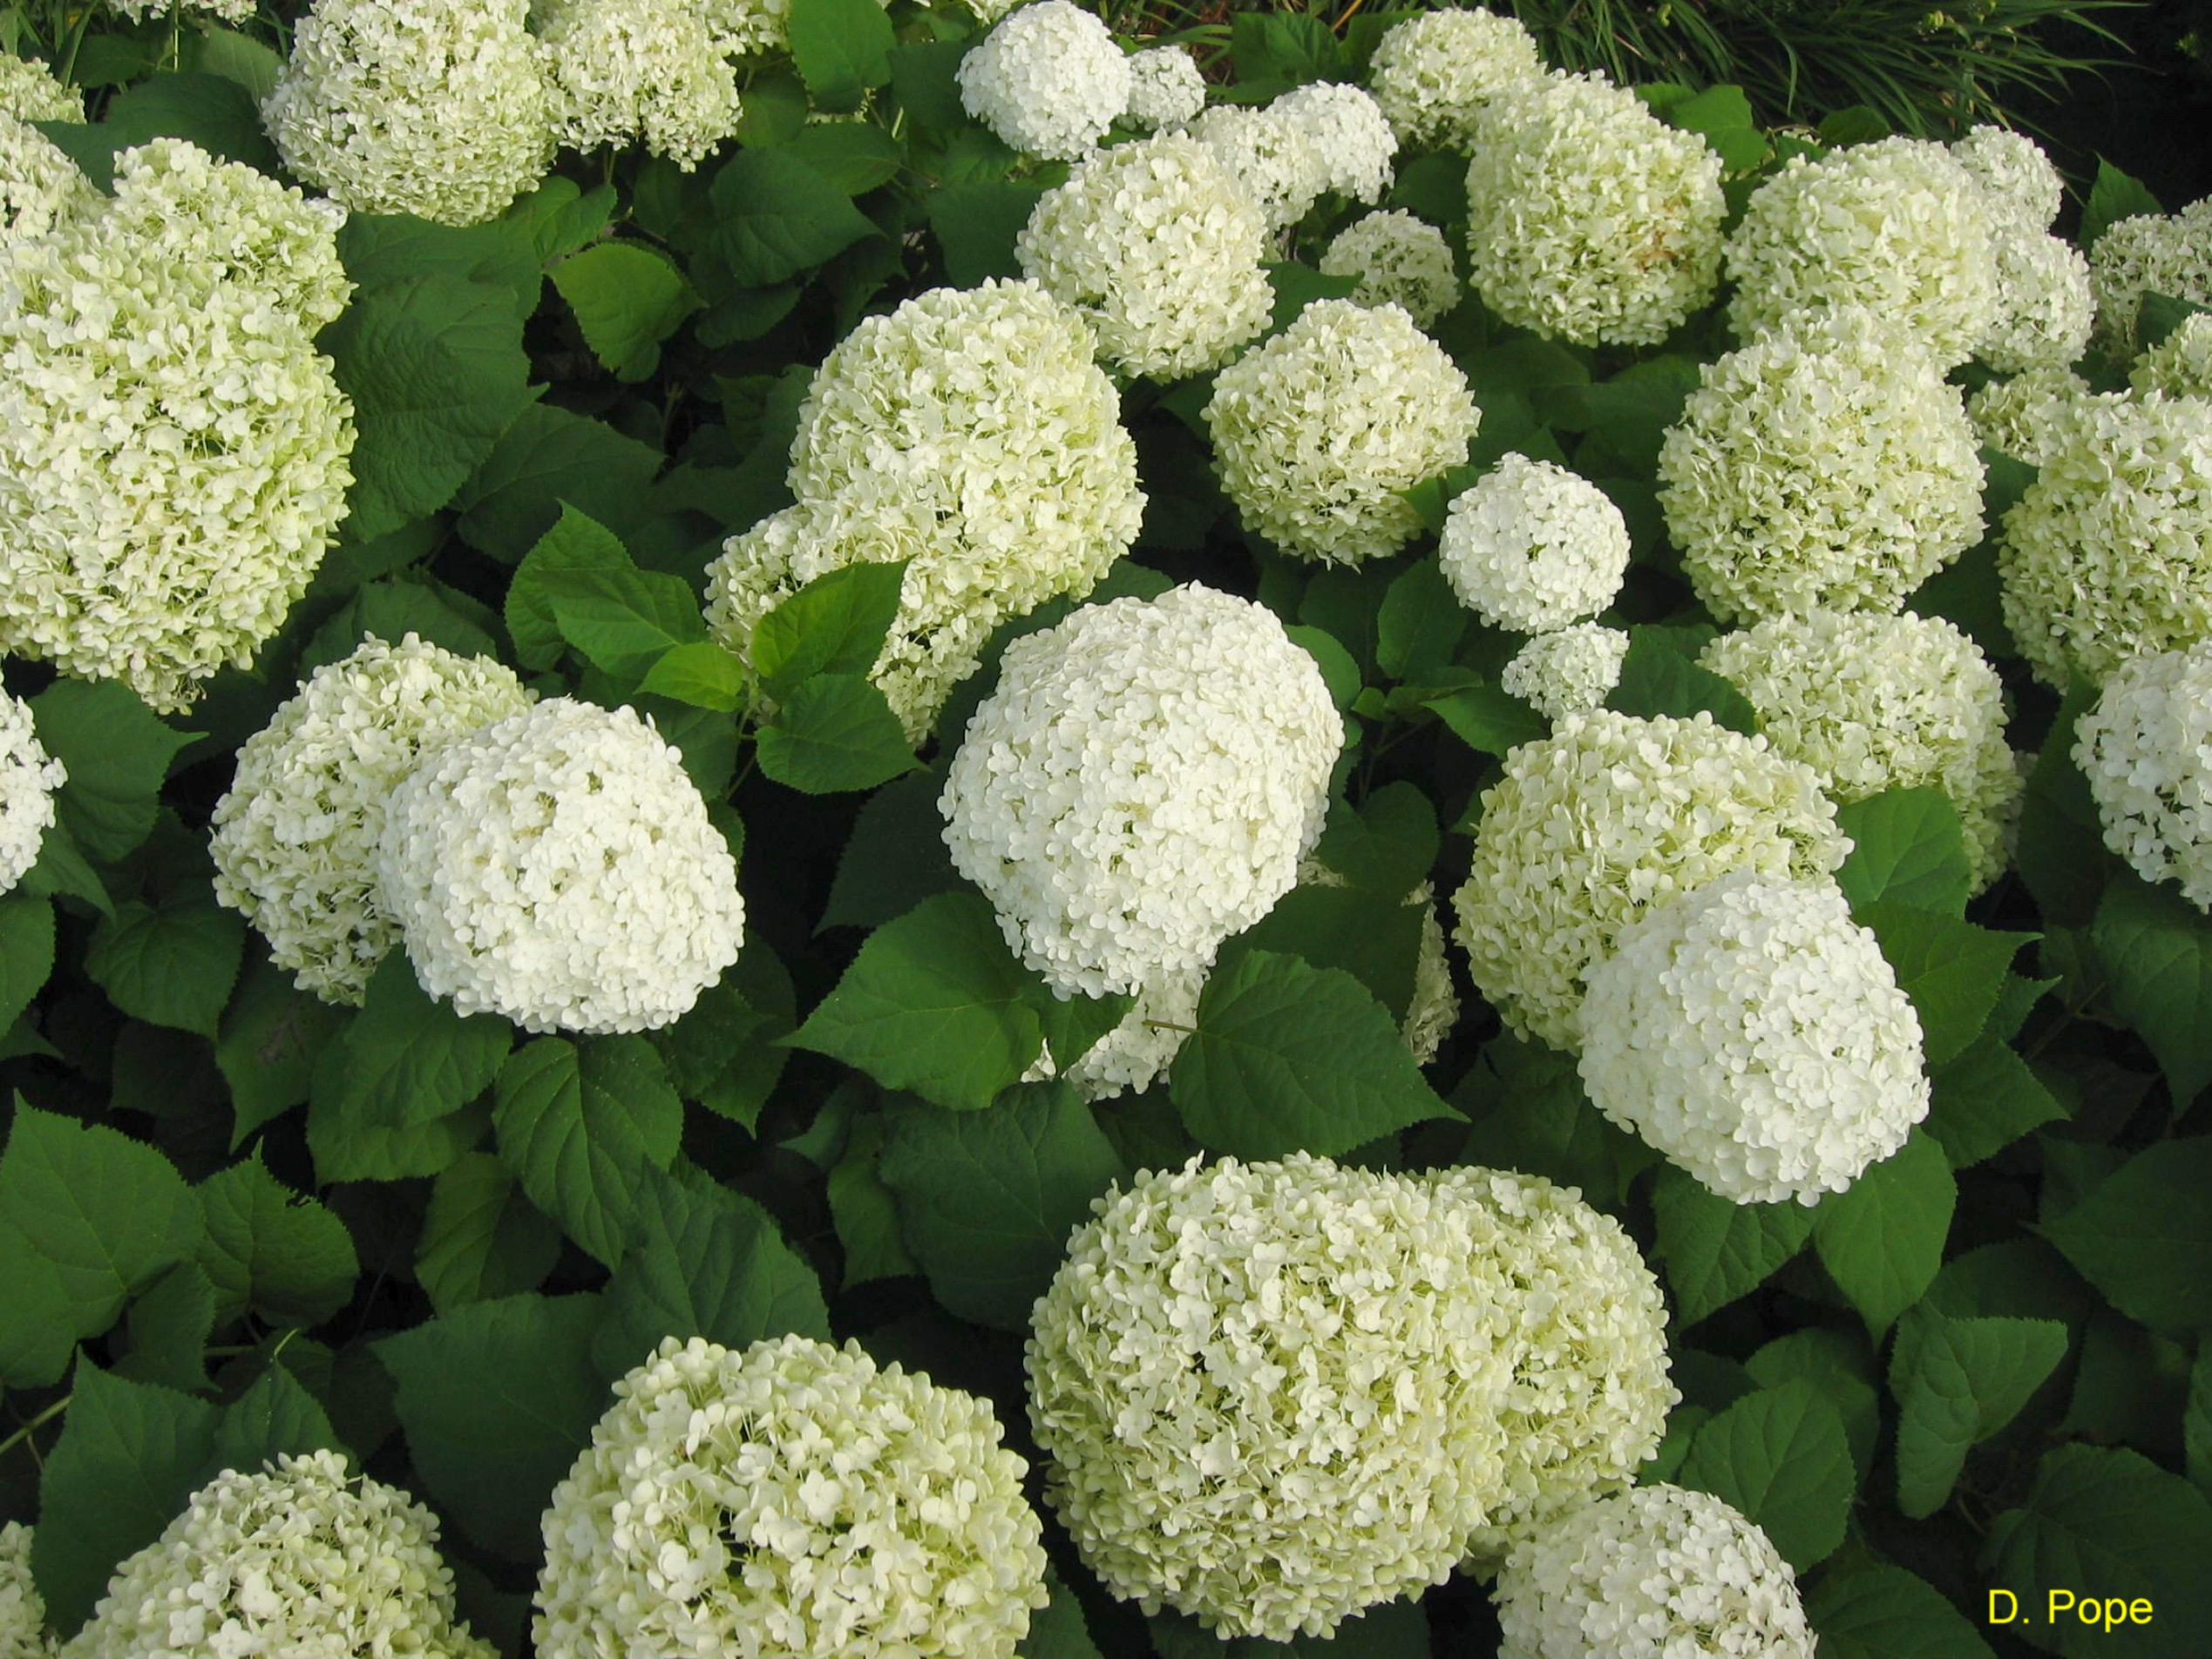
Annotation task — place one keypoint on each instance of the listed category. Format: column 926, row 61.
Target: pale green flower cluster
column 788, row 1501
column 2147, row 750
column 22, row 1610
column 2168, row 254
column 1433, row 73
column 30, row 92
column 40, row 188
column 1399, row 260
column 1049, row 79
column 1532, row 546
column 1353, row 145
column 1269, row 155
column 1165, row 89
column 228, row 10
column 1569, row 671
column 2026, row 416
column 619, row 70
column 2016, row 179
column 2180, row 365
column 2043, row 304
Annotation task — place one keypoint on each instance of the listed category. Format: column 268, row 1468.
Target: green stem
column 35, row 1423
column 67, row 73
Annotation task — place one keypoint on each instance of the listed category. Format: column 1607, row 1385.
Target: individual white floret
column 1142, row 785
column 1318, row 432
column 22, row 1610
column 559, row 868
column 2016, row 180
column 1049, row 79
column 295, row 839
column 2168, row 254
column 1432, row 73
column 300, row 1559
column 2044, row 305
column 2109, row 552
column 1754, row 1034
column 1268, row 155
column 2025, row 416
column 1165, row 89
column 1609, row 815
column 1896, row 226
column 1531, row 546
column 1570, row 671
column 40, row 187
column 1588, row 219
column 793, row 1501
column 620, row 71
column 1654, row 1573
column 1828, row 463
column 1353, row 145
column 1399, row 260
column 2180, row 365
column 2147, row 750
column 436, row 108
column 30, row 92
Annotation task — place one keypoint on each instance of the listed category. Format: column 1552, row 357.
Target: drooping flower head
column 1531, row 546
column 1569, row 671
column 2144, row 749
column 1399, row 260
column 1433, row 73
column 1049, row 79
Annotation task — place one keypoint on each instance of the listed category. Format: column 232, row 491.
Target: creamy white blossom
column 29, row 92
column 2180, row 365
column 1352, row 142
column 2168, row 254
column 2016, row 180
column 228, row 10
column 1318, row 430
column 1141, row 785
column 1654, row 1573
column 1589, row 219
column 1434, row 73
column 2025, row 416
column 2044, row 305
column 1609, row 815
column 1531, row 546
column 1827, row 463
column 1165, row 89
column 1270, row 157
column 559, row 868
column 40, row 187
column 789, row 1500
column 1049, row 79
column 1399, row 260
column 22, row 1610
column 1756, row 1034
column 1569, row 671
column 2147, row 750
column 621, row 71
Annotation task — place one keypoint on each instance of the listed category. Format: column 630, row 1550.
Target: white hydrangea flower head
column 1827, row 463
column 295, row 838
column 2044, row 305
column 1653, row 1572
column 228, row 10
column 1353, row 145
column 1158, row 247
column 793, row 1501
column 1532, row 546
column 558, row 868
column 1896, row 226
column 1270, row 1391
column 40, row 188
column 29, row 92
column 436, row 108
column 2016, row 179
column 1754, row 1034
column 2147, row 750
column 1399, row 260
column 1569, row 671
column 618, row 71
column 1318, row 430
column 1589, row 219
column 1049, row 79
column 1434, row 73
column 1165, row 89
column 22, row 1610
column 2027, row 415
column 298, row 1558
column 2109, row 553
column 1142, row 785
column 2168, row 254
column 1609, row 817
column 1269, row 156
column 2180, row 365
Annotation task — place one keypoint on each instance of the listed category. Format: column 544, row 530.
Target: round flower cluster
column 2180, row 365
column 970, row 433
column 2109, row 552
column 1049, row 79
column 1605, row 818
column 621, row 70
column 1896, row 226
column 296, row 837
column 2025, row 416
column 2168, row 254
column 1142, row 785
column 2044, row 305
column 2016, row 180
column 40, row 188
column 1589, row 219
column 1875, row 702
column 1318, row 432
column 1351, row 143
column 30, row 92
column 1399, row 260
column 1569, row 671
column 1165, row 89
column 1827, row 463
column 22, row 1610
column 789, row 1500
column 1756, row 1034
column 1532, row 546
column 2147, row 750
column 301, row 1558
column 177, row 449
column 559, row 868
column 1268, row 155
column 1655, row 1572
column 1434, row 73
column 1158, row 247
column 436, row 108
column 28, row 780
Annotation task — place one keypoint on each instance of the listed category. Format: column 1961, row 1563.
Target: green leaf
column 2106, row 1522
column 1872, row 1610
column 276, row 1417
column 1421, row 621
column 1375, row 939
column 1882, row 1240
column 434, row 366
column 2113, row 197
column 234, row 57
column 935, row 1003
column 1985, row 1100
column 570, row 558
column 1340, row 671
column 1952, row 970
column 841, row 48
column 1485, row 716
column 578, row 1123
column 1857, row 124
column 623, row 621
column 496, row 1399
column 1841, row 1368
column 173, row 965
column 775, row 216
column 2156, row 949
column 853, row 155
column 1056, row 1630
column 26, row 952
column 1714, row 1250
column 1288, row 49
column 699, row 673
column 1956, row 1382
column 835, row 624
column 1780, row 1456
column 61, row 871
column 1717, row 109
column 2196, row 1420
column 405, row 1061
column 987, row 1199
column 2160, row 316
column 728, row 1051
column 392, row 607
column 1073, row 1025
column 1287, row 1057
column 118, row 753
column 1386, row 845
column 896, row 857
column 2143, row 1235
column 834, row 734
column 627, row 299
column 551, row 458
column 863, row 1211
column 352, row 1139
column 1655, row 678
column 273, row 1250
column 1529, row 1112
column 1298, row 285
column 2061, row 852
column 481, row 1238
column 1906, row 849
column 975, row 226
column 169, row 1325
column 215, row 113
